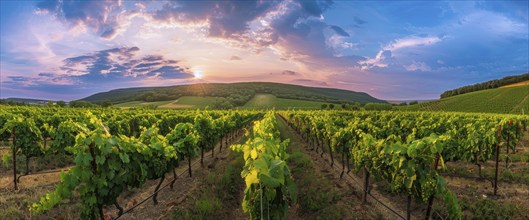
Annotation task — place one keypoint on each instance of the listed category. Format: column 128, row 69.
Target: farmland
column 138, row 162
column 508, row 100
column 268, row 101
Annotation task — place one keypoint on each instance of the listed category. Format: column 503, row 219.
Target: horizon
column 68, row 50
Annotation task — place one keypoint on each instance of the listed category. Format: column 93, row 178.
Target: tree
column 331, row 106
column 50, row 103
column 324, row 106
column 61, row 103
column 106, row 104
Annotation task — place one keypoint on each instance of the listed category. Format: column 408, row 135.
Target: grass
column 268, row 101
column 318, row 196
column 140, row 104
column 514, row 100
column 218, row 195
column 184, row 102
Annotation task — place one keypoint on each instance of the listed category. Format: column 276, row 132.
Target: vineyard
column 507, row 100
column 401, row 165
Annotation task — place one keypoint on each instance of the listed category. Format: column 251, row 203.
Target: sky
column 393, row 50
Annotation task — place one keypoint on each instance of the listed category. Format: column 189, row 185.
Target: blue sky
column 390, row 49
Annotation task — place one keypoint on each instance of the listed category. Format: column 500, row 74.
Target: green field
column 140, row 104
column 184, row 102
column 267, row 101
column 514, row 100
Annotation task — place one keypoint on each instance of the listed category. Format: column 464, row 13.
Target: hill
column 514, row 100
column 267, row 101
column 232, row 94
column 492, row 84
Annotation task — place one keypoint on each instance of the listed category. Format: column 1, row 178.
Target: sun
column 198, row 74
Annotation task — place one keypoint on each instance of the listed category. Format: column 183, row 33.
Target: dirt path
column 168, row 198
column 14, row 205
column 321, row 193
column 351, row 181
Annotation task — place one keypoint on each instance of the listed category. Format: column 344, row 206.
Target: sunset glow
column 391, row 50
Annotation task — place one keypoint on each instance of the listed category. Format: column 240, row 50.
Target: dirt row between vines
column 468, row 189
column 168, row 198
column 353, row 182
column 15, row 204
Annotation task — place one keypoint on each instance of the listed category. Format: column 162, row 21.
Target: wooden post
column 343, row 161
column 408, row 208
column 508, row 145
column 366, row 185
column 497, row 160
column 430, row 200
column 220, row 150
column 15, row 157
column 189, row 165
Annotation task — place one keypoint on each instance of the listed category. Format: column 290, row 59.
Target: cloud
column 105, row 68
column 415, row 66
column 412, row 41
column 234, row 57
column 225, row 18
column 339, row 31
column 391, row 53
column 359, row 21
column 288, row 72
column 293, row 28
column 107, row 18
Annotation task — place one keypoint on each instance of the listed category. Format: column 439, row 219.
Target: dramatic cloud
column 106, row 67
column 50, row 48
column 107, row 18
column 224, row 18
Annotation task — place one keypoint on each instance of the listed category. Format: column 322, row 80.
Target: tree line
column 492, row 84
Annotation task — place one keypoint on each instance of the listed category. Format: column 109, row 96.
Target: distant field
column 501, row 100
column 182, row 103
column 139, row 104
column 517, row 84
column 263, row 101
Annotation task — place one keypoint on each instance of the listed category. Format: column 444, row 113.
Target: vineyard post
column 497, row 160
column 15, row 157
column 220, row 149
column 213, row 150
column 366, row 185
column 330, row 152
column 27, row 165
column 408, row 208
column 189, row 165
column 508, row 145
column 347, row 161
column 202, row 156
column 430, row 200
column 343, row 162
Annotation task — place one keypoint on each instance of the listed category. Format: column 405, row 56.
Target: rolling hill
column 233, row 94
column 267, row 101
column 513, row 100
